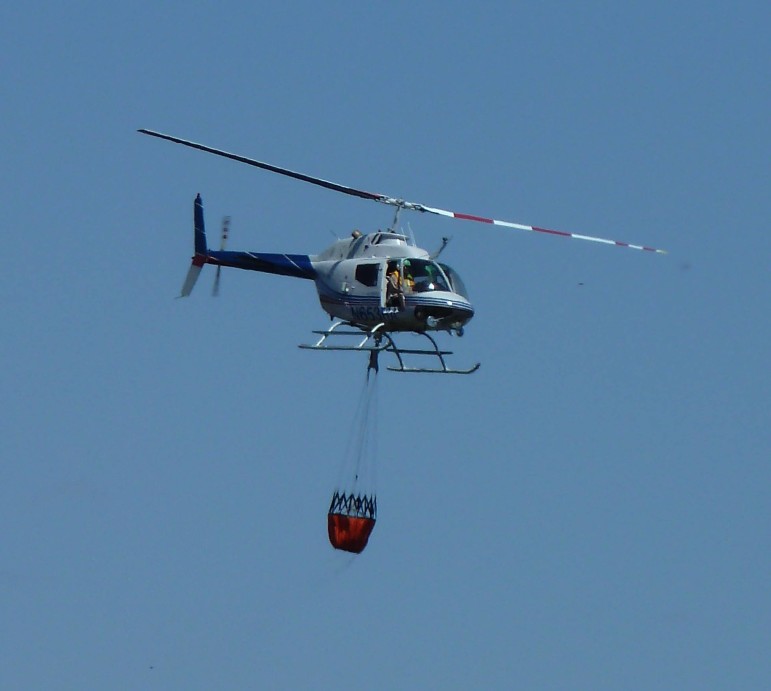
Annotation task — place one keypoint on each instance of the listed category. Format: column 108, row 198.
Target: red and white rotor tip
column 535, row 229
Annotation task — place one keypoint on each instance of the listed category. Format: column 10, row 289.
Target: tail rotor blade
column 216, row 289
column 225, row 231
column 223, row 242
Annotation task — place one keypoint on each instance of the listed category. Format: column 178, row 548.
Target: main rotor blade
column 273, row 169
column 535, row 229
column 393, row 201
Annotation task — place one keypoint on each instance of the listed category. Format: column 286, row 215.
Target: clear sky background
column 589, row 510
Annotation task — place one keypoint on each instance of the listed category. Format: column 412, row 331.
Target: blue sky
column 589, row 510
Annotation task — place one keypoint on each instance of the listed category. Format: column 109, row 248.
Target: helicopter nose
column 449, row 312
column 459, row 316
column 464, row 314
column 462, row 308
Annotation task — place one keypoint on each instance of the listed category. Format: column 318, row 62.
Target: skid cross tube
column 374, row 332
column 376, row 340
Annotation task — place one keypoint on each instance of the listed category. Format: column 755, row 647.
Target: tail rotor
column 225, row 230
column 201, row 250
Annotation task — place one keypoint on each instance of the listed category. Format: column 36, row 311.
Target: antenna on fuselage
column 413, row 242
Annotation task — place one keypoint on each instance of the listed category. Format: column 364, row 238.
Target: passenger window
column 366, row 274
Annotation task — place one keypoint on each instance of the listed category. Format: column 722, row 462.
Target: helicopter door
column 386, row 269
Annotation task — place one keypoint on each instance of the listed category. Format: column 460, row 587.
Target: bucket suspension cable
column 353, row 509
column 361, row 448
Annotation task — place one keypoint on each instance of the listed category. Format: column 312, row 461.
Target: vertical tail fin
column 200, row 230
column 201, row 250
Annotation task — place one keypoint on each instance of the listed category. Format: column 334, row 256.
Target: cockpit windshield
column 421, row 275
column 456, row 282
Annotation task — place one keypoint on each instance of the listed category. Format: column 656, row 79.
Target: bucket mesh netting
column 351, row 520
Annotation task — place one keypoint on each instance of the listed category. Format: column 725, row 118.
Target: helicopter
column 375, row 285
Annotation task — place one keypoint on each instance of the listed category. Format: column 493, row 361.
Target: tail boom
column 295, row 265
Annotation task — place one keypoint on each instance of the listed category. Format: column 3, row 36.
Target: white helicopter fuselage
column 375, row 280
column 355, row 284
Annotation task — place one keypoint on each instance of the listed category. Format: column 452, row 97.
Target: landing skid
column 376, row 340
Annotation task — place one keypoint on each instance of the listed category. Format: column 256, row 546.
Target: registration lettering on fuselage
column 371, row 313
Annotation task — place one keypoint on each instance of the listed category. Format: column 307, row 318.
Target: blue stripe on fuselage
column 414, row 300
column 295, row 265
